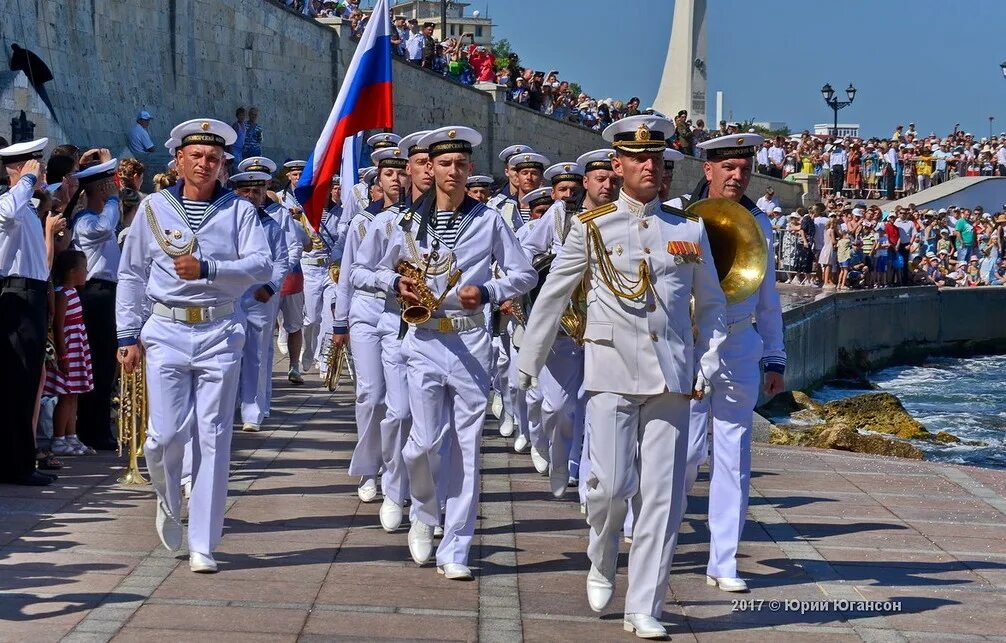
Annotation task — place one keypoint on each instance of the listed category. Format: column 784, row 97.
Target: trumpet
column 132, row 422
column 336, row 360
column 333, row 272
column 428, row 302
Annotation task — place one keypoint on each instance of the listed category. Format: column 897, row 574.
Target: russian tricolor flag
column 364, row 102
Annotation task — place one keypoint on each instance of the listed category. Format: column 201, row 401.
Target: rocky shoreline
column 874, row 423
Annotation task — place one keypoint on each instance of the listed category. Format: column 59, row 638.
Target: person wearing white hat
column 94, row 231
column 183, row 271
column 510, row 190
column 382, row 411
column 641, row 361
column 562, row 400
column 838, row 160
column 479, row 187
column 334, row 234
column 752, row 359
column 529, row 168
column 24, row 274
column 261, row 306
column 453, row 239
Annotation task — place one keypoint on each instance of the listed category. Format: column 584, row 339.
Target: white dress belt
column 454, row 324
column 313, row 261
column 193, row 314
column 738, row 325
column 371, row 295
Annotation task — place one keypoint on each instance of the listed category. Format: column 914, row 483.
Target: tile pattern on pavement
column 303, row 559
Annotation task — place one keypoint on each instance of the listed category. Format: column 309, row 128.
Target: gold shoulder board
column 590, row 215
column 684, row 214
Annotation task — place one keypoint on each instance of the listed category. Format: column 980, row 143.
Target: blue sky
column 929, row 61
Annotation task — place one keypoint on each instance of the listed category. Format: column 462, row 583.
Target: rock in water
column 842, row 437
column 879, row 412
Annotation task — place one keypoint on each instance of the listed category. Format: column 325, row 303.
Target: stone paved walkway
column 303, row 559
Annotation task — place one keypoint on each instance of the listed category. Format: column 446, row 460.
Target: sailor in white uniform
column 261, row 306
column 453, row 241
column 510, row 192
column 357, row 315
column 752, row 359
column 643, row 263
column 479, row 186
column 293, row 301
column 562, row 399
column 193, row 252
column 334, row 237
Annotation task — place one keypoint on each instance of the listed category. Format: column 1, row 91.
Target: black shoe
column 48, row 474
column 35, row 479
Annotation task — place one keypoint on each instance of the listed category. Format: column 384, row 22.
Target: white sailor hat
column 670, row 156
column 596, row 159
column 731, row 146
column 335, row 179
column 564, row 171
column 362, row 172
column 97, row 172
column 384, row 139
column 538, row 197
column 507, row 152
column 409, row 145
column 388, row 157
column 643, row 133
column 172, row 166
column 257, row 164
column 251, row 179
column 453, row 138
column 526, row 160
column 172, row 144
column 204, row 131
column 479, row 181
column 23, row 151
column 228, row 156
column 368, row 174
column 296, row 164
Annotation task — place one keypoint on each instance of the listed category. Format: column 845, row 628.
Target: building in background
column 844, row 129
column 772, row 126
column 457, row 22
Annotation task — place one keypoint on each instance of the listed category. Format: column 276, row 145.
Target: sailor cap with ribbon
column 564, row 171
column 643, row 133
column 384, row 139
column 507, row 152
column 479, row 181
column 97, row 172
column 596, row 159
column 731, row 146
column 257, row 164
column 295, row 164
column 409, row 145
column 251, row 180
column 204, row 131
column 527, row 160
column 389, row 157
column 670, row 156
column 541, row 196
column 453, row 138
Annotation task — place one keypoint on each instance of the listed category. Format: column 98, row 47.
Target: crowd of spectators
column 841, row 244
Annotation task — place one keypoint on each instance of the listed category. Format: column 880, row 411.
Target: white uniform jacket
column 641, row 346
column 94, row 233
column 482, row 238
column 355, row 235
column 230, row 241
column 763, row 306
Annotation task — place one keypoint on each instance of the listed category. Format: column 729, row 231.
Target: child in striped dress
column 72, row 374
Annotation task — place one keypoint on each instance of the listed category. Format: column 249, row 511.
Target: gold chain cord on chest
column 438, row 267
column 163, row 242
column 618, row 284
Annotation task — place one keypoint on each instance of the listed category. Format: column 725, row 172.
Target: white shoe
column 506, row 426
column 187, row 489
column 599, row 590
column 250, row 427
column 281, row 345
column 391, row 515
column 420, row 541
column 583, row 509
column 521, row 444
column 627, row 539
column 644, row 625
column 496, row 405
column 539, row 461
column 438, row 531
column 455, row 571
column 169, row 529
column 368, row 490
column 558, row 480
column 727, row 584
column 202, row 563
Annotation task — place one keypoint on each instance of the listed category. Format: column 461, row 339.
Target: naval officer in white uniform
column 193, row 251
column 753, row 359
column 454, row 241
column 643, row 263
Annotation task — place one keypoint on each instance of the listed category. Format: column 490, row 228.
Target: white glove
column 701, row 388
column 525, row 381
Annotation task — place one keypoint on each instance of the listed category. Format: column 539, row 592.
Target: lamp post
column 991, row 118
column 835, row 104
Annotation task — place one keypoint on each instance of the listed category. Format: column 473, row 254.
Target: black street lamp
column 835, row 104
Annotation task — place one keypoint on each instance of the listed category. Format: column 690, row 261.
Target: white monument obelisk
column 683, row 84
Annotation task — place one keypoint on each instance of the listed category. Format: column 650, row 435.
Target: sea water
column 964, row 396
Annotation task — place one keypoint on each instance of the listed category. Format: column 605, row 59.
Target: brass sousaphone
column 740, row 250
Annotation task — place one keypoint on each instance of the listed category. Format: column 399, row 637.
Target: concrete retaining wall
column 871, row 328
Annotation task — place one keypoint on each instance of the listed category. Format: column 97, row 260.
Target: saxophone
column 428, row 302
column 132, row 422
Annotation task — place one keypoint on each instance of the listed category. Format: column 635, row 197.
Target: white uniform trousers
column 559, row 384
column 327, row 321
column 448, row 377
column 526, row 405
column 637, row 454
column 196, row 369
column 315, row 278
column 729, row 409
column 397, row 420
column 365, row 342
column 255, row 393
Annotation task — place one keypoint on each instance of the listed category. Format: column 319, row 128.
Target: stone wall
column 867, row 329
column 183, row 59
